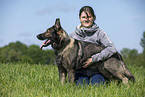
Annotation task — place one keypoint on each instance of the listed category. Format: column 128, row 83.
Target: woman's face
column 86, row 19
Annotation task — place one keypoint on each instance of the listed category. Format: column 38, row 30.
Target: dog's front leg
column 62, row 76
column 62, row 73
column 71, row 76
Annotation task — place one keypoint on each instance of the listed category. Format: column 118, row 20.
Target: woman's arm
column 109, row 48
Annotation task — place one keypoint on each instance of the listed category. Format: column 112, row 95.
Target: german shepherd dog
column 71, row 53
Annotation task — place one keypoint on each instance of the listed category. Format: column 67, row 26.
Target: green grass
column 25, row 80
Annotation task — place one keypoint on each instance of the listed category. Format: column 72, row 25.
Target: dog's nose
column 40, row 37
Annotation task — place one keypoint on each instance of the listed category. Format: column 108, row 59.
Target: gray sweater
column 97, row 36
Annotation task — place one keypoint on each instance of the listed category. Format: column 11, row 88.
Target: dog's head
column 54, row 36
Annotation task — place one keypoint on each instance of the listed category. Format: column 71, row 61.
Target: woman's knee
column 97, row 79
column 83, row 81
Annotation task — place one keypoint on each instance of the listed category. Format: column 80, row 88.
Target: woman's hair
column 89, row 9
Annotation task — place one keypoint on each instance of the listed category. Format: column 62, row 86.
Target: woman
column 90, row 32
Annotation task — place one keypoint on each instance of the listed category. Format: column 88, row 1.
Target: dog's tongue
column 45, row 43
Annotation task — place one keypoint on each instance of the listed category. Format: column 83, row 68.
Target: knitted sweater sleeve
column 109, row 48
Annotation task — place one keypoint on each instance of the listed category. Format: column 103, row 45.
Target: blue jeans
column 82, row 79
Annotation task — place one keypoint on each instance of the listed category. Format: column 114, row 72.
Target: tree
column 18, row 51
column 133, row 54
column 35, row 54
column 12, row 52
column 129, row 56
column 142, row 43
column 125, row 52
column 4, row 54
column 26, row 58
column 49, row 56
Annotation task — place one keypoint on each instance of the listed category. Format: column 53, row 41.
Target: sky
column 22, row 20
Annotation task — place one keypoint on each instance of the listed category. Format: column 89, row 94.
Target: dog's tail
column 127, row 73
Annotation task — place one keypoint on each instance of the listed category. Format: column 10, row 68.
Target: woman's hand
column 87, row 63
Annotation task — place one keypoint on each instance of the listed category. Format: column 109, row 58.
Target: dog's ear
column 57, row 23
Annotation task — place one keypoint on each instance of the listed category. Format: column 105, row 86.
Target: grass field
column 25, row 80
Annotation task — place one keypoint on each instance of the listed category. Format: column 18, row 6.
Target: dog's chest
column 66, row 56
column 67, row 51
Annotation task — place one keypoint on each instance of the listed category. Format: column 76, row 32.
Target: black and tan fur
column 71, row 53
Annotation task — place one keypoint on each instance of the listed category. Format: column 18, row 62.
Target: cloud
column 25, row 34
column 56, row 8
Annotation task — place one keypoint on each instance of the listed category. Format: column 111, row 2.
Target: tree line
column 132, row 56
column 19, row 52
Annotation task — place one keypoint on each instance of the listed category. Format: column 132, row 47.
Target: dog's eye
column 47, row 31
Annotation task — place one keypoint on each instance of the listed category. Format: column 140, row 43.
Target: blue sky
column 22, row 20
